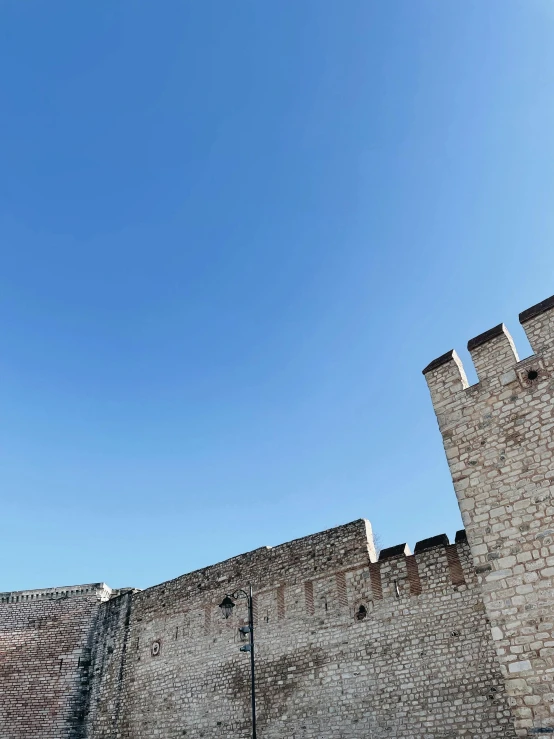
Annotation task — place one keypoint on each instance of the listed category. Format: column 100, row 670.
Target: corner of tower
column 538, row 324
column 446, row 379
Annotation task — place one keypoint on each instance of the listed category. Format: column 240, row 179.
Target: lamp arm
column 240, row 593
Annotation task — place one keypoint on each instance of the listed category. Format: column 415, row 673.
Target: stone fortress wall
column 347, row 646
column 452, row 641
column 420, row 662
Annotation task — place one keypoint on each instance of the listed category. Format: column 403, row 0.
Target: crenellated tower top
column 495, row 358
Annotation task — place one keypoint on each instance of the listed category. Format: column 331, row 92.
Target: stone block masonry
column 453, row 641
column 499, row 442
column 348, row 647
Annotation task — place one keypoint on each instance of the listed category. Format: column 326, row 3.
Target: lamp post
column 227, row 605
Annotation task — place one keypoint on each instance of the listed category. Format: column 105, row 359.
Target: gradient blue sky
column 232, row 235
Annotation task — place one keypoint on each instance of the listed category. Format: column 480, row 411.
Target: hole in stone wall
column 361, row 613
column 532, row 375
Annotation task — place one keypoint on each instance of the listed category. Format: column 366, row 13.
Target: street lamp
column 227, row 605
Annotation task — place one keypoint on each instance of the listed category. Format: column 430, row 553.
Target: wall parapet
column 99, row 591
column 435, row 564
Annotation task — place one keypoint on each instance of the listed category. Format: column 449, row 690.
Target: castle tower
column 499, row 440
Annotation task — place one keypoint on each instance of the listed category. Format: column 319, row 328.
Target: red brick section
column 281, row 602
column 376, row 586
column 413, row 575
column 454, row 565
column 340, row 578
column 44, row 666
column 309, row 597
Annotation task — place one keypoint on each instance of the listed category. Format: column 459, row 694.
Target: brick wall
column 45, row 657
column 499, row 442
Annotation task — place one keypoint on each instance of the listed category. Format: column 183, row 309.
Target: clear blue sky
column 232, row 235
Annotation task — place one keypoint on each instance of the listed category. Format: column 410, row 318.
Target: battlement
column 307, row 559
column 98, row 591
column 337, row 568
column 344, row 548
column 435, row 565
column 496, row 360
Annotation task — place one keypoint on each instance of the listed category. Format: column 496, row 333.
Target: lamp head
column 227, row 605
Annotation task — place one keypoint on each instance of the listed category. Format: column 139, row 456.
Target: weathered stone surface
column 499, row 442
column 417, row 660
column 46, row 639
column 442, row 643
